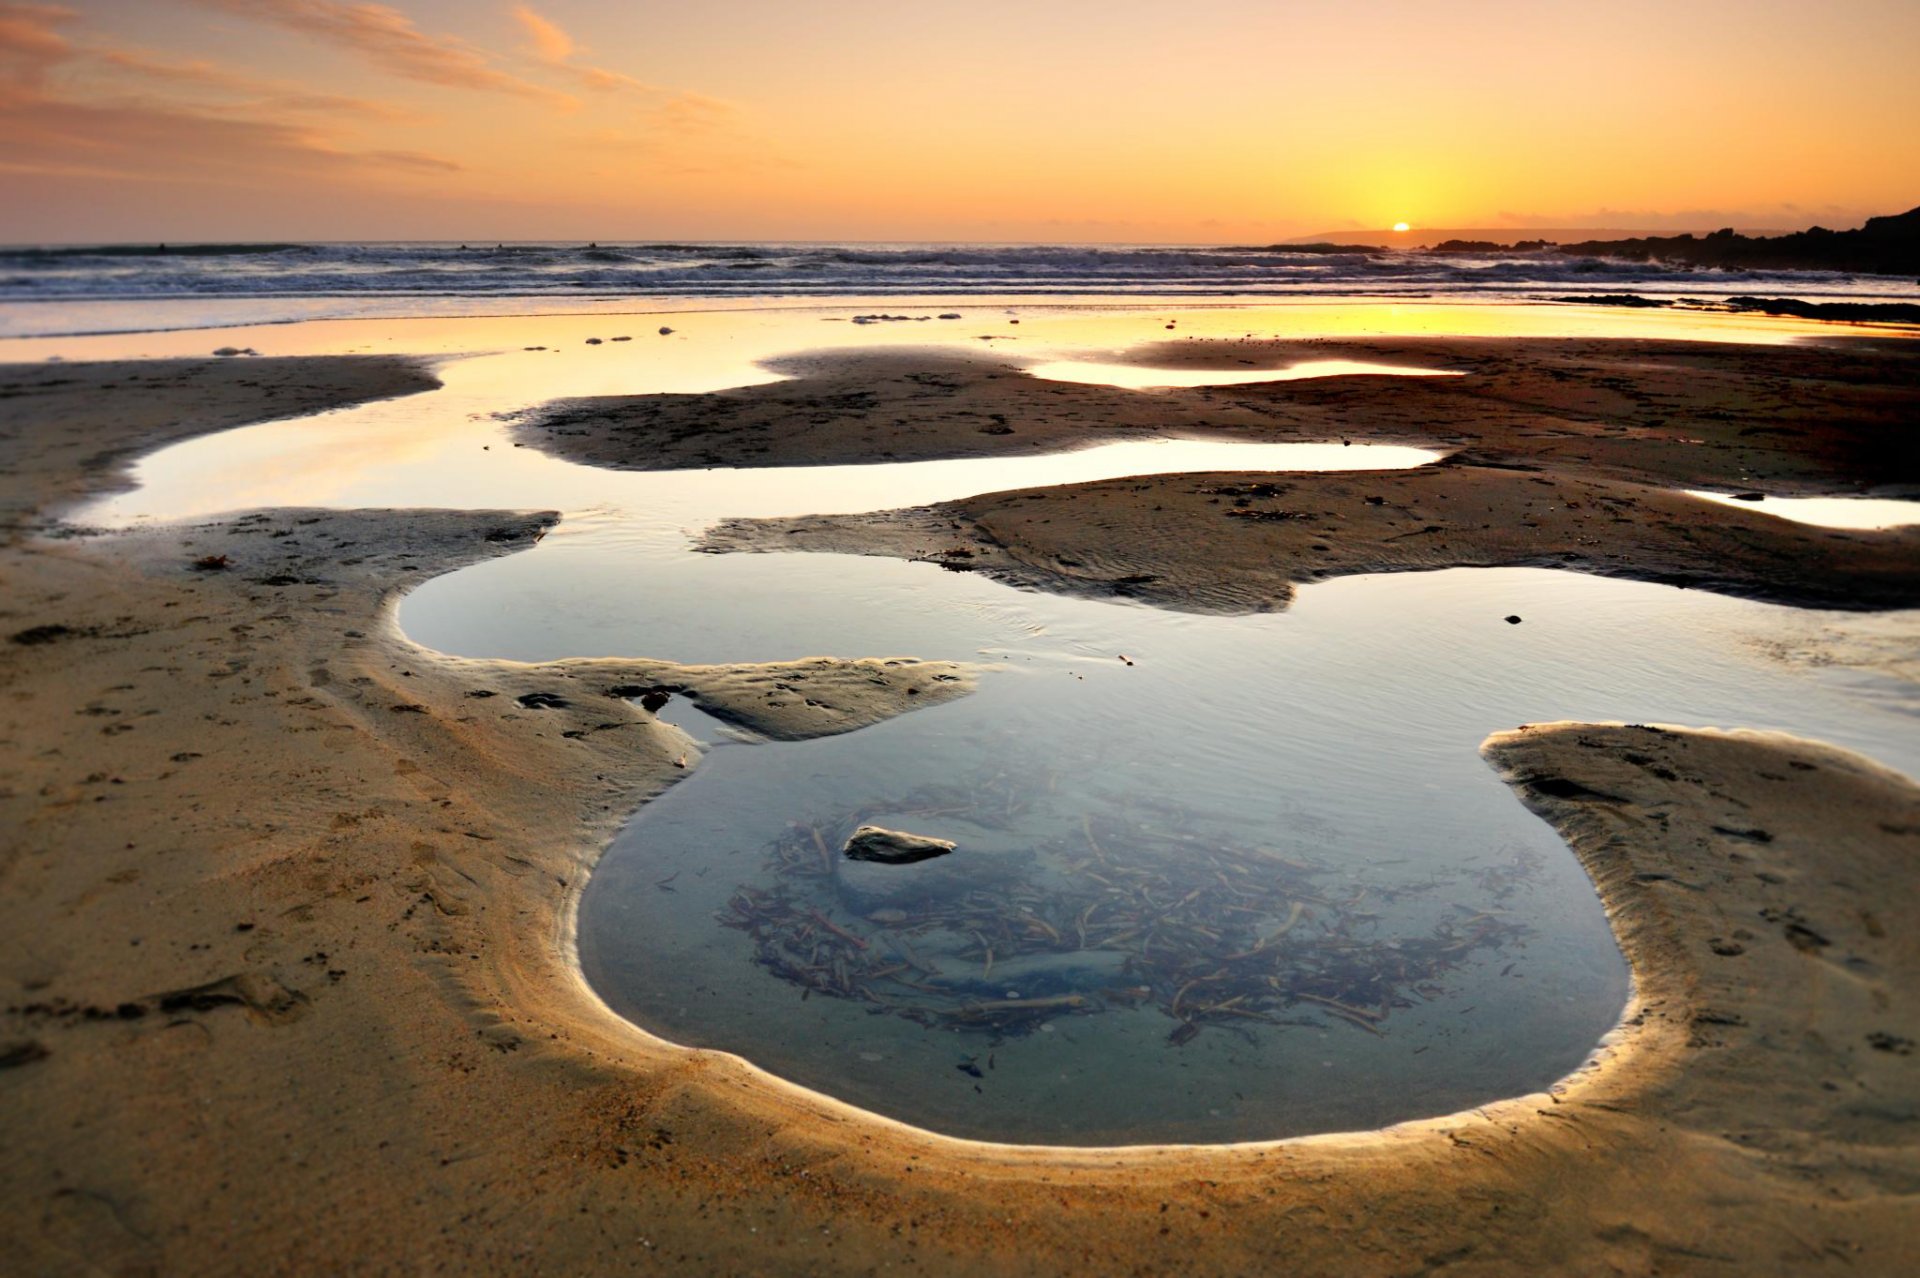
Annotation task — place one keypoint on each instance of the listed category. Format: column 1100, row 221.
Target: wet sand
column 1830, row 417
column 285, row 918
column 1241, row 543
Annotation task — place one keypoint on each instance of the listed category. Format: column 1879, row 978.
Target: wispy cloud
column 31, row 42
column 549, row 40
column 55, row 130
column 269, row 94
column 674, row 108
column 44, row 134
column 388, row 39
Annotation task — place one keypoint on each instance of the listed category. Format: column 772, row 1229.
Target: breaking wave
column 638, row 270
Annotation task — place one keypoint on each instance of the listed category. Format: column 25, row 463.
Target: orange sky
column 1118, row 120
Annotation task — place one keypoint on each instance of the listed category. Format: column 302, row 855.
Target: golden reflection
column 713, row 346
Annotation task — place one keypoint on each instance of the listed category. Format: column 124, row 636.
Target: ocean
column 69, row 290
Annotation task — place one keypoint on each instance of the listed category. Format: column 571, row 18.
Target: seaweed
column 1119, row 914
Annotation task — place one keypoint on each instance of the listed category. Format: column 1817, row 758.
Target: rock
column 893, row 847
column 1513, row 619
column 664, row 330
column 593, row 341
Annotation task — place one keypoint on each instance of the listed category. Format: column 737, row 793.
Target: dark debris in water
column 1123, row 914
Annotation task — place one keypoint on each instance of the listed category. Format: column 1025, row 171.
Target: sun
column 1401, row 226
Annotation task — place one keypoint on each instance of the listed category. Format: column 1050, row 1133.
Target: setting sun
column 1401, row 226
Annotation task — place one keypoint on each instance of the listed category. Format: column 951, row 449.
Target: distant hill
column 1422, row 237
column 1884, row 246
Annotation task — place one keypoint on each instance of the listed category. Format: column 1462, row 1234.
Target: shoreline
column 458, row 1029
column 1681, row 306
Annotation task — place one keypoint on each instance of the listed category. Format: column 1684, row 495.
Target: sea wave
column 668, row 270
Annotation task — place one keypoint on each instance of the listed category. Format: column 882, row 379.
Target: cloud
column 412, row 160
column 42, row 134
column 675, row 108
column 30, row 44
column 387, row 38
column 58, row 132
column 269, row 94
column 549, row 41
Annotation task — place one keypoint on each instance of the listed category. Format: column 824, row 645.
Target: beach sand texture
column 285, row 900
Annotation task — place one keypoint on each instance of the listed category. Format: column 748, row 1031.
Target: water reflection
column 1202, row 776
column 1866, row 514
column 1140, row 377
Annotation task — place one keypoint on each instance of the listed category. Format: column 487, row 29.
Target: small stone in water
column 893, row 847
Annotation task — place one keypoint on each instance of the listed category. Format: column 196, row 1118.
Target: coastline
column 363, row 1026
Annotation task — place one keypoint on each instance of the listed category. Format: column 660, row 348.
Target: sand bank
column 1241, row 543
column 284, row 937
column 1831, row 417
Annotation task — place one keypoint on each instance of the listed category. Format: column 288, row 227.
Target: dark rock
column 652, row 696
column 1615, row 299
column 543, row 701
column 893, row 847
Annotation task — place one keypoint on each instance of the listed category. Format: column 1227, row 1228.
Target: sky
column 1205, row 121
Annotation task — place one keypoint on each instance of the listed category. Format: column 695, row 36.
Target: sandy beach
column 286, row 928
